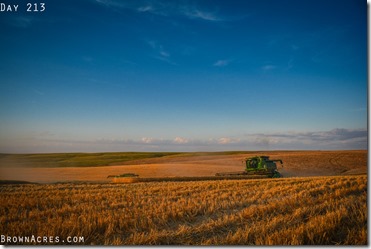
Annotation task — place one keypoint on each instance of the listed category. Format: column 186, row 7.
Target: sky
column 156, row 75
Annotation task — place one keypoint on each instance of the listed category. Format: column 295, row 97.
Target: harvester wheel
column 277, row 175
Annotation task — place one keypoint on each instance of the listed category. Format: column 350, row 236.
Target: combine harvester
column 257, row 167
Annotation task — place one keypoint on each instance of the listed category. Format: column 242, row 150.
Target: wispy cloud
column 146, row 8
column 268, row 67
column 332, row 139
column 222, row 63
column 165, row 8
column 290, row 64
column 180, row 140
column 87, row 59
column 112, row 3
column 38, row 92
column 148, row 140
column 360, row 109
column 194, row 13
column 22, row 21
column 294, row 47
column 160, row 53
column 335, row 139
column 228, row 140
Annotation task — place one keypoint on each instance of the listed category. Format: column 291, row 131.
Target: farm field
column 322, row 199
column 49, row 168
column 330, row 210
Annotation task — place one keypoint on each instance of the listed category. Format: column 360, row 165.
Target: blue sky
column 155, row 75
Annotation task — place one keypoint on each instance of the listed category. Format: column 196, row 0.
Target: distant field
column 75, row 159
column 48, row 168
column 93, row 159
column 329, row 210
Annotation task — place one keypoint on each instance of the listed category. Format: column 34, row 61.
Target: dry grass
column 296, row 211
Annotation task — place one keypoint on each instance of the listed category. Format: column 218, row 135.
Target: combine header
column 258, row 165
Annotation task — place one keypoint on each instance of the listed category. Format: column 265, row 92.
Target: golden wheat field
column 330, row 210
column 322, row 200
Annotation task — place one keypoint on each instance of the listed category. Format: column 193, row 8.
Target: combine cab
column 258, row 165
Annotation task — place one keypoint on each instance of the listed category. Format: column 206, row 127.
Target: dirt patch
column 296, row 163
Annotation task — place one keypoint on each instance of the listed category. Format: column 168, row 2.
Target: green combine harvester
column 257, row 166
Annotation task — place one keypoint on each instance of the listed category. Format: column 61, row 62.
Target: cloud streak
column 164, row 8
column 333, row 139
column 336, row 139
column 194, row 13
column 222, row 63
column 268, row 67
column 160, row 53
column 22, row 21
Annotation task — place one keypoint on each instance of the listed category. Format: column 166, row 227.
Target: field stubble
column 293, row 211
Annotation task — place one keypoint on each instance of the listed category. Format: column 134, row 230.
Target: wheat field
column 329, row 210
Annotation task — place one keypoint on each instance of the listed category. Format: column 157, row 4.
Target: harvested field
column 321, row 201
column 185, row 178
column 329, row 210
column 296, row 163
